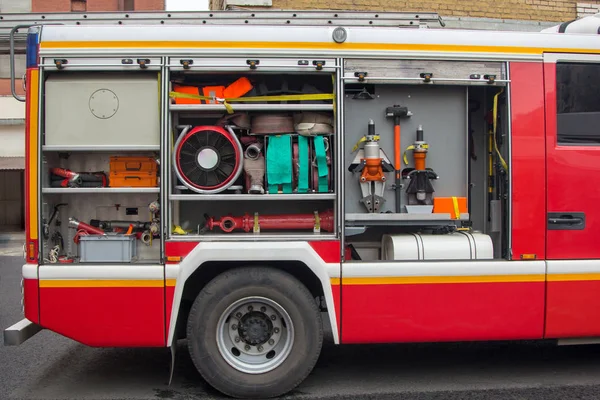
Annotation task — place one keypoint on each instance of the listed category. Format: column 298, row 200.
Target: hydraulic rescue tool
column 83, row 229
column 397, row 112
column 372, row 162
column 73, row 178
column 419, row 190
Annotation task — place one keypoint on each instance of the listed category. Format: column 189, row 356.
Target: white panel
column 292, row 34
column 30, row 271
column 443, row 268
column 89, row 271
column 92, row 109
column 171, row 271
column 555, row 57
column 573, row 266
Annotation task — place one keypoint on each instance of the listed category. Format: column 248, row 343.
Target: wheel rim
column 255, row 335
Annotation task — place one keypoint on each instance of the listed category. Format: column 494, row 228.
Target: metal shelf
column 251, row 107
column 260, row 197
column 101, row 190
column 370, row 219
column 121, row 148
column 255, row 237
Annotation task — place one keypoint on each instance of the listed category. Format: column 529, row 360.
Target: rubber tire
column 236, row 284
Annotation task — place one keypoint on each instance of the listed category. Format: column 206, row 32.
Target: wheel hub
column 255, row 328
column 255, row 335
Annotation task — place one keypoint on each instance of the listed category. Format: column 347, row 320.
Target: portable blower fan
column 208, row 159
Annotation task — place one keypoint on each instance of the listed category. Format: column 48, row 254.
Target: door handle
column 566, row 221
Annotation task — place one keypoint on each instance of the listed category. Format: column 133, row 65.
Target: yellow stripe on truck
column 33, row 154
column 574, row 277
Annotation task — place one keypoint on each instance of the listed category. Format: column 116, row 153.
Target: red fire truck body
column 508, row 126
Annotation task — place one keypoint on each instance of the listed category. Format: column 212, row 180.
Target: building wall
column 526, row 10
column 96, row 5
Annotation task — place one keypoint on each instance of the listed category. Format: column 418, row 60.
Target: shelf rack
column 259, row 197
column 372, row 219
column 251, row 107
column 101, row 190
column 120, row 148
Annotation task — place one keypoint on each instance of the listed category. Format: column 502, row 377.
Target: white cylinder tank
column 452, row 246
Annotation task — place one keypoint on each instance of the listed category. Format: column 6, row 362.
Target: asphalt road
column 52, row 367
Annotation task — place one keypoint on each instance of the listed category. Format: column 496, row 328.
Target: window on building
column 78, row 5
column 578, row 103
column 128, row 5
column 5, row 66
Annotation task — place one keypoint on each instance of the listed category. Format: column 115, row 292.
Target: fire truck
column 243, row 182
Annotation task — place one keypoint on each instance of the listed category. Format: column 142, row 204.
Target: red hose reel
column 208, row 159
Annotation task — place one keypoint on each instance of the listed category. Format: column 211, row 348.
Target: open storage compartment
column 253, row 148
column 99, row 172
column 451, row 198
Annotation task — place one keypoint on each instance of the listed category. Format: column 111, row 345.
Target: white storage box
column 452, row 246
column 109, row 248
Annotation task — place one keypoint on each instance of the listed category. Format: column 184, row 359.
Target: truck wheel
column 254, row 332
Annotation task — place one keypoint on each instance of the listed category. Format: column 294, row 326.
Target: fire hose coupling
column 154, row 207
column 253, row 151
column 315, row 222
column 146, row 238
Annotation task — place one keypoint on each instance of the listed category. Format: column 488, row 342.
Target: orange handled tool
column 397, row 112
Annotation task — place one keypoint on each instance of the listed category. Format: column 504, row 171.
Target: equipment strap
column 321, row 163
column 456, row 210
column 317, row 227
column 226, row 101
column 256, row 227
column 303, row 162
column 363, row 139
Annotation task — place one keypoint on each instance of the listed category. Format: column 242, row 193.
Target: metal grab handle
column 12, row 60
column 568, row 221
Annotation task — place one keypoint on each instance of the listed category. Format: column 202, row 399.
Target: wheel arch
column 211, row 269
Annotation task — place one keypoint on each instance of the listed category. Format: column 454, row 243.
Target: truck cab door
column 572, row 93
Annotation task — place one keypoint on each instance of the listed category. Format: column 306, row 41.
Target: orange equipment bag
column 212, row 91
column 133, row 172
column 449, row 205
column 187, row 90
column 238, row 88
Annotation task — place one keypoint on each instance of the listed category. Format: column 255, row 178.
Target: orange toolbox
column 133, row 172
column 450, row 205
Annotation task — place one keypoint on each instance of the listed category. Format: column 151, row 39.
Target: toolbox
column 133, row 172
column 449, row 205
